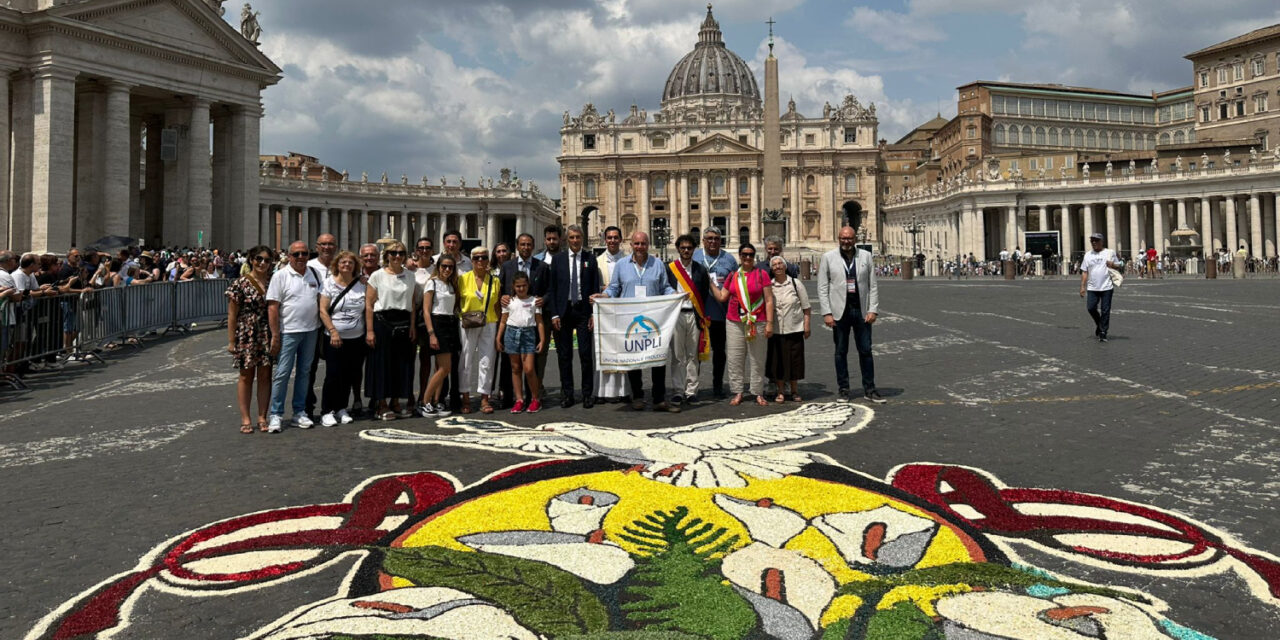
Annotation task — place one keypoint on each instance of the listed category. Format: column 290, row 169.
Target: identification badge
column 640, row 291
column 851, row 285
column 715, row 278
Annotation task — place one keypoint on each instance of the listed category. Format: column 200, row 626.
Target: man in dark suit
column 689, row 276
column 539, row 283
column 575, row 277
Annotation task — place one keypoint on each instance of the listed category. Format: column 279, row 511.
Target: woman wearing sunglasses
column 480, row 292
column 748, row 300
column 440, row 310
column 249, row 336
column 390, row 335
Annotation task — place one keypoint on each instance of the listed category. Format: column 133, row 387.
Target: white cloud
column 894, row 31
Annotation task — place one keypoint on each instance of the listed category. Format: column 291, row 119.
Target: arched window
column 999, row 134
column 1115, row 140
column 659, row 187
column 628, row 190
column 1091, row 139
column 1079, row 138
column 1040, row 136
column 1164, row 138
column 589, row 188
column 744, row 187
column 1179, row 137
column 1013, row 135
column 717, row 185
column 1053, row 137
column 1128, row 140
column 810, row 184
column 1026, row 134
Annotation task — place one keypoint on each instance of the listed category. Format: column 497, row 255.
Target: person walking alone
column 1095, row 284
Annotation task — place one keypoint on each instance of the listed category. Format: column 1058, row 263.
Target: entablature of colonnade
column 148, row 43
column 1262, row 177
column 386, row 196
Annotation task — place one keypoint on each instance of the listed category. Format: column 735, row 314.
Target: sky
column 463, row 88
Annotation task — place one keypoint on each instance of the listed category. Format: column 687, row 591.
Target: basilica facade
column 699, row 161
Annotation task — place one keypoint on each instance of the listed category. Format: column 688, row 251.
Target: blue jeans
column 1101, row 318
column 855, row 320
column 296, row 352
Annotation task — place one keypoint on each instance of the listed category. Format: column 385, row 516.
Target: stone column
column 642, row 216
column 5, row 135
column 22, row 132
column 1229, row 212
column 796, row 213
column 153, row 198
column 1068, row 238
column 1182, row 214
column 1086, row 223
column 1135, row 229
column 1019, row 227
column 735, row 220
column 680, row 221
column 53, row 105
column 1043, row 218
column 795, row 221
column 242, row 172
column 137, row 226
column 1255, row 226
column 1113, row 237
column 117, row 160
column 199, row 176
column 1157, row 226
column 264, row 224
column 174, row 223
column 1206, row 226
column 1272, row 217
column 344, row 229
column 704, row 203
column 90, row 158
column 222, row 217
column 381, row 228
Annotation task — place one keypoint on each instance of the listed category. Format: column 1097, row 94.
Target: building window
column 1013, row 165
column 1128, row 140
column 1089, row 112
column 693, row 140
column 1126, row 114
column 1048, row 163
column 1034, row 164
column 1222, row 75
column 850, row 135
column 659, row 142
column 1204, row 79
column 744, row 187
column 1091, row 140
column 1013, row 135
column 626, row 144
column 693, row 188
column 659, row 187
column 971, row 133
column 810, row 184
column 1024, row 106
column 1053, row 137
column 973, row 151
column 1222, row 111
column 1204, row 114
column 1260, row 103
column 808, row 138
column 1257, row 67
column 742, row 139
column 1039, row 107
column 717, row 185
column 1239, row 108
column 1040, row 137
column 1239, row 70
column 1179, row 137
column 850, row 183
column 588, row 141
column 589, row 188
column 999, row 135
column 997, row 105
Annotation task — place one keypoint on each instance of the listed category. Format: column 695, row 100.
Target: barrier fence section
column 35, row 330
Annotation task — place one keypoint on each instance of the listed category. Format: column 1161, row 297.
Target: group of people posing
column 480, row 324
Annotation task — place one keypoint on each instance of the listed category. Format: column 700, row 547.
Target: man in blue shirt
column 640, row 276
column 720, row 265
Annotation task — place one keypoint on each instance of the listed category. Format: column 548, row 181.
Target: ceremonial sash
column 699, row 307
column 749, row 309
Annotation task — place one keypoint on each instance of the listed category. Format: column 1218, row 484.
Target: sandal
column 485, row 407
column 737, row 400
column 262, row 425
column 796, row 398
column 387, row 415
column 761, row 401
column 246, row 428
column 466, row 407
column 780, row 399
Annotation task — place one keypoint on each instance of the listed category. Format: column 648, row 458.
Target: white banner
column 635, row 333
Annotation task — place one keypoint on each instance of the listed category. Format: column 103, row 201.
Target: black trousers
column 658, row 375
column 576, row 318
column 343, row 369
column 389, row 370
column 718, row 355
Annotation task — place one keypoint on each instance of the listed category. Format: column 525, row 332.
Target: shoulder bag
column 475, row 319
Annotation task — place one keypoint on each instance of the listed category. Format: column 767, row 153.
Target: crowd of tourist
column 478, row 326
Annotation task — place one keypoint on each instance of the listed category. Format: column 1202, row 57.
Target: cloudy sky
column 465, row 87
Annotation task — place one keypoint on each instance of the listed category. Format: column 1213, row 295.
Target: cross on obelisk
column 770, row 22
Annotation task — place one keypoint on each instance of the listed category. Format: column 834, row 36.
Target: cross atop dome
column 710, row 33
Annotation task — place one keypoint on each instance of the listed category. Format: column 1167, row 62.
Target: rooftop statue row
column 850, row 110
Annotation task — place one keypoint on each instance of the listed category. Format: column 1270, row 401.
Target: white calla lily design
column 576, row 543
column 431, row 612
column 767, row 522
column 882, row 537
column 1010, row 616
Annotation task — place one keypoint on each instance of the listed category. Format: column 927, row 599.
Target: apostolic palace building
column 698, row 161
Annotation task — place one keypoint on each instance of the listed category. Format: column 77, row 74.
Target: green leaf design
column 676, row 585
column 977, row 574
column 634, row 635
column 838, row 630
column 543, row 598
column 904, row 621
column 379, row 636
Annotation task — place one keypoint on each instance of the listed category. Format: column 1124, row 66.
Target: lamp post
column 914, row 227
column 661, row 237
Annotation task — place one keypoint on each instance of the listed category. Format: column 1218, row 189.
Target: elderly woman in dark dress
column 249, row 336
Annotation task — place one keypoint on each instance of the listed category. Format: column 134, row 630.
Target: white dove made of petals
column 715, row 453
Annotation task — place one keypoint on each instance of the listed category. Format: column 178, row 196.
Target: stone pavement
column 1180, row 411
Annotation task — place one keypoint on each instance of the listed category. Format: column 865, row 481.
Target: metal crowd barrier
column 101, row 317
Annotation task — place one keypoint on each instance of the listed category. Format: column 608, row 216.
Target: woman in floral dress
column 249, row 336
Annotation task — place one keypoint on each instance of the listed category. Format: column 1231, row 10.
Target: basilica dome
column 711, row 73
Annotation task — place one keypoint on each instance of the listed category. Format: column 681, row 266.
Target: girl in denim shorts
column 521, row 335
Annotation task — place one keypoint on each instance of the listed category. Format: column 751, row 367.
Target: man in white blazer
column 849, row 299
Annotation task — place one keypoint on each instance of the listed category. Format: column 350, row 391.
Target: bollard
column 1010, row 269
column 1210, row 269
column 1237, row 267
column 908, row 268
column 805, row 267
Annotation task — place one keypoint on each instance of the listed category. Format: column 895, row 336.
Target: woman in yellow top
column 480, row 291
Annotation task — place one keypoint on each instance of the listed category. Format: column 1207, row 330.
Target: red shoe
column 519, row 406
column 535, row 406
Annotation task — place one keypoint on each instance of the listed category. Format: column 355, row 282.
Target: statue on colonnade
column 249, row 27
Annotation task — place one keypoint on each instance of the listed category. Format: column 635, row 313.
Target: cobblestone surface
column 1180, row 410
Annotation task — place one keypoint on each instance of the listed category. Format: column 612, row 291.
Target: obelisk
column 771, row 196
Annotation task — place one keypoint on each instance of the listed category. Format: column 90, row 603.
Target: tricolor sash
column 750, row 309
column 699, row 307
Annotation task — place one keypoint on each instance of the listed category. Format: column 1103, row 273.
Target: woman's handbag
column 476, row 319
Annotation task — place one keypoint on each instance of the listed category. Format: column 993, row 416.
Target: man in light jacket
column 849, row 299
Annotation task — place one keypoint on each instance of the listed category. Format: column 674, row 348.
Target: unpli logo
column 642, row 334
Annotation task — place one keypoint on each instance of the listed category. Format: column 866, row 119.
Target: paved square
column 1179, row 411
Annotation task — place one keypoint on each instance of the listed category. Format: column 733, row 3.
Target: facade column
column 1043, row 218
column 1068, row 239
column 1272, row 216
column 755, row 205
column 1019, row 226
column 221, row 214
column 1010, row 220
column 797, row 214
column 1113, row 237
column 90, row 158
column 1229, row 212
column 1135, row 228
column 680, row 206
column 1255, row 226
column 53, row 106
column 5, row 135
column 1182, row 214
column 117, row 160
column 1157, row 226
column 795, row 221
column 704, row 203
column 264, row 224
column 1206, row 227
column 734, row 220
column 136, row 226
column 344, row 229
column 200, row 177
column 1086, row 223
column 642, row 216
column 242, row 173
column 21, row 95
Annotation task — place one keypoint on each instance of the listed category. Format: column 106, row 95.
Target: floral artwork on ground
column 625, row 546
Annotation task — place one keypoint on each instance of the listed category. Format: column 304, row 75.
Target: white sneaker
column 344, row 417
column 301, row 421
column 329, row 420
column 274, row 426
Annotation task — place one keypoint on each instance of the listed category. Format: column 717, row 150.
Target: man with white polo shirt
column 1095, row 283
column 293, row 310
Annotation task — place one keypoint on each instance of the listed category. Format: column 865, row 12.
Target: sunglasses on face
column 261, row 259
column 299, row 254
column 424, row 248
column 747, row 255
column 479, row 258
column 446, row 266
column 396, row 254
